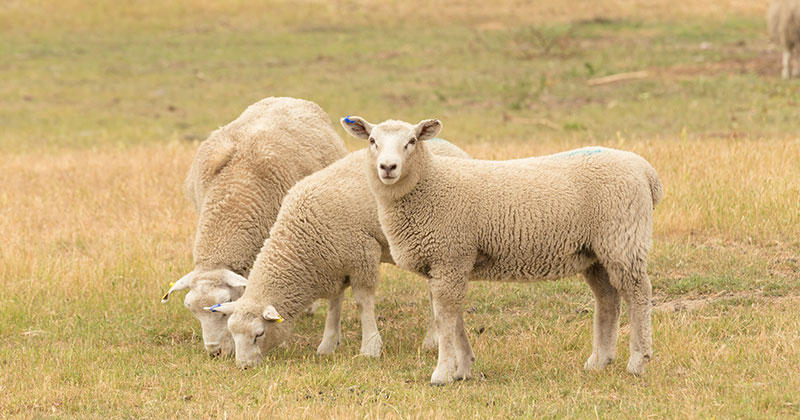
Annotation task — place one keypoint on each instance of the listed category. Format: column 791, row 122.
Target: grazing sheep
column 236, row 183
column 783, row 22
column 326, row 238
column 587, row 211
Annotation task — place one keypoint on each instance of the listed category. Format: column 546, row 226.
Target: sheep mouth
column 388, row 180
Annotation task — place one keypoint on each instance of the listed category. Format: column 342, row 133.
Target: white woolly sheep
column 326, row 238
column 587, row 211
column 238, row 178
column 783, row 23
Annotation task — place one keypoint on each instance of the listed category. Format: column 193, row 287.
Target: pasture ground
column 102, row 105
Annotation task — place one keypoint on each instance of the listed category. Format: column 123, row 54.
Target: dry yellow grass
column 95, row 235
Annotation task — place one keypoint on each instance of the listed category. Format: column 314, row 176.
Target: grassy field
column 102, row 105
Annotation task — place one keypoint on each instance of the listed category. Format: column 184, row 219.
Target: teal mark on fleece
column 437, row 139
column 580, row 152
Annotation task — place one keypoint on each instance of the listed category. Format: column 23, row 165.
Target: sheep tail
column 656, row 190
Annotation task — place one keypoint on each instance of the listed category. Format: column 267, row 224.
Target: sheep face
column 255, row 332
column 207, row 289
column 391, row 143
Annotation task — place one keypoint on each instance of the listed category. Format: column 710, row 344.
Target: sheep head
column 255, row 329
column 206, row 289
column 391, row 143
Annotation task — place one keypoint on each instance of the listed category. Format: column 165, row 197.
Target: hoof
column 463, row 376
column 441, row 377
column 372, row 347
column 327, row 347
column 637, row 363
column 595, row 364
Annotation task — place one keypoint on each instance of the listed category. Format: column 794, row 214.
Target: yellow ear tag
column 166, row 295
column 279, row 320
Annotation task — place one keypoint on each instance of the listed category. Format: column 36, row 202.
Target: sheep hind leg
column 333, row 325
column 606, row 318
column 371, row 342
column 786, row 62
column 637, row 292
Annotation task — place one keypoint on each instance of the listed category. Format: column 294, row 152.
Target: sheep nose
column 388, row 167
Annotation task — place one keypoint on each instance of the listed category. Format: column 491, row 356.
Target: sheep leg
column 333, row 325
column 430, row 340
column 796, row 65
column 637, row 292
column 448, row 298
column 786, row 62
column 606, row 318
column 371, row 342
column 312, row 308
column 467, row 356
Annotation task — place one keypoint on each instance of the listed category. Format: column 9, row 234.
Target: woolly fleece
column 326, row 238
column 236, row 182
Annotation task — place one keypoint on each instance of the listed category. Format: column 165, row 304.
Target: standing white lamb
column 238, row 178
column 326, row 238
column 587, row 211
column 783, row 23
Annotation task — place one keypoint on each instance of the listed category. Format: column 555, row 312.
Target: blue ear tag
column 348, row 120
column 211, row 308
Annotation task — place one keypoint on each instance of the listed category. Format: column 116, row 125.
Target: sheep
column 326, row 238
column 236, row 183
column 587, row 211
column 783, row 23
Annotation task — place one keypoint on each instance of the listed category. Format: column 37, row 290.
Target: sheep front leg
column 465, row 354
column 430, row 340
column 606, row 318
column 448, row 298
column 371, row 342
column 333, row 325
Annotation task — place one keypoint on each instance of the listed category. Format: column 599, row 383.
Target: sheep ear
column 428, row 129
column 181, row 284
column 357, row 127
column 219, row 156
column 222, row 308
column 233, row 279
column 271, row 314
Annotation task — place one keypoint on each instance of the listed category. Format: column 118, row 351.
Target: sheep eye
column 257, row 336
column 371, row 140
column 413, row 140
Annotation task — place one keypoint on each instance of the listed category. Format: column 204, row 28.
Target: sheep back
column 536, row 218
column 242, row 171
